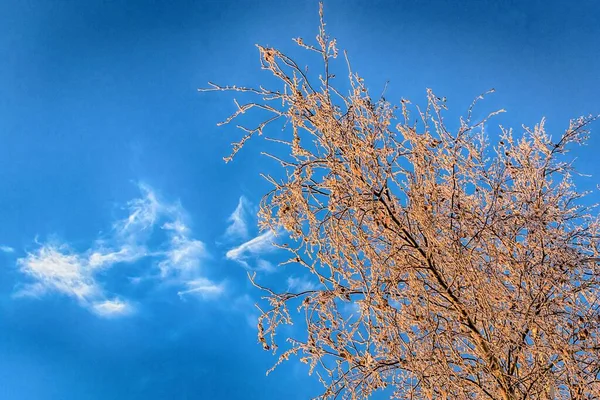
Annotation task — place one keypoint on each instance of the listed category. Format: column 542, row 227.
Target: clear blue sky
column 123, row 259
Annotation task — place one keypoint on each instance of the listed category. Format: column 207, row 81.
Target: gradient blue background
column 98, row 95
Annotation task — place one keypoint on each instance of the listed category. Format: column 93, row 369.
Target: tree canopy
column 473, row 263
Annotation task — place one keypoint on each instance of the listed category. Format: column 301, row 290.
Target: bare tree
column 474, row 267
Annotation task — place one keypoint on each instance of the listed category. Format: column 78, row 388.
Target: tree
column 474, row 266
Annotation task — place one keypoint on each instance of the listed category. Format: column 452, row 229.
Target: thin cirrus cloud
column 249, row 252
column 109, row 308
column 184, row 254
column 6, row 249
column 202, row 287
column 245, row 305
column 252, row 250
column 238, row 225
column 56, row 267
column 300, row 284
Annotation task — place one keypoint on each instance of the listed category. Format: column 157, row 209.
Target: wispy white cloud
column 184, row 254
column 264, row 266
column 245, row 306
column 249, row 253
column 300, row 284
column 143, row 214
column 55, row 267
column 111, row 308
column 238, row 225
column 253, row 248
column 6, row 249
column 203, row 288
column 128, row 253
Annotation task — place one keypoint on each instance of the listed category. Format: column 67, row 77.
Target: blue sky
column 125, row 239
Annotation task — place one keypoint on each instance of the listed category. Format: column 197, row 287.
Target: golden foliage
column 474, row 268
